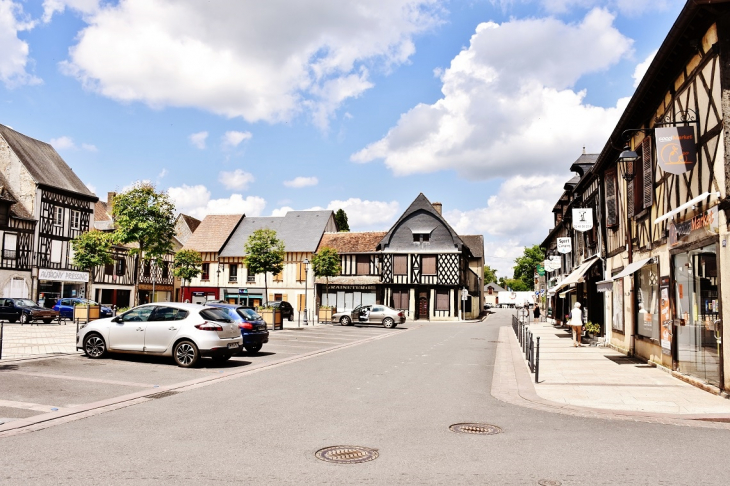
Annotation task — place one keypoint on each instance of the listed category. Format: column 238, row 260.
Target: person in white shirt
column 576, row 322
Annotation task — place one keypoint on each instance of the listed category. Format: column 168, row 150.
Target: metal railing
column 530, row 346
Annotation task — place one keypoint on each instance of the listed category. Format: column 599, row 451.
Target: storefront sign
column 675, row 148
column 564, row 245
column 62, row 275
column 541, row 270
column 242, row 291
column 665, row 316
column 697, row 227
column 354, row 288
column 582, row 219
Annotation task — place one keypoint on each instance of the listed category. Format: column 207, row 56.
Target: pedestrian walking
column 576, row 322
column 536, row 313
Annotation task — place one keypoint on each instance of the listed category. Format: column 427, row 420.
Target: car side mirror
column 117, row 319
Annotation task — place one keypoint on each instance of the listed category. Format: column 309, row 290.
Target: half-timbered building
column 62, row 206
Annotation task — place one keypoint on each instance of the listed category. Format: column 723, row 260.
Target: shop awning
column 577, row 274
column 684, row 206
column 626, row 271
column 604, row 286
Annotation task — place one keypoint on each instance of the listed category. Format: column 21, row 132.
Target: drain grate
column 347, row 454
column 477, row 429
column 163, row 394
column 549, row 482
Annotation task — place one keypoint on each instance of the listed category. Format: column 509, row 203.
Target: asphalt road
column 397, row 391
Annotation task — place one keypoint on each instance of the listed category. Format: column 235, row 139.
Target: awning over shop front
column 577, row 274
column 631, row 268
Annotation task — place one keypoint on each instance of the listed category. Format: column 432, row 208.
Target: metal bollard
column 537, row 360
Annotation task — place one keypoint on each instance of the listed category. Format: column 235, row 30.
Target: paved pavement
column 33, row 341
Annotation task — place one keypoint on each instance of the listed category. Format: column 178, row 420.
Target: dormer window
column 421, row 237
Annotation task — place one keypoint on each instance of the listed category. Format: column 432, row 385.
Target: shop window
column 363, row 265
column 428, row 264
column 617, row 320
column 442, row 300
column 647, row 297
column 205, row 271
column 400, row 265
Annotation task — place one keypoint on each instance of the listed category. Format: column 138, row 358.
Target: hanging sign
column 675, row 148
column 541, row 269
column 582, row 219
column 665, row 315
column 564, row 245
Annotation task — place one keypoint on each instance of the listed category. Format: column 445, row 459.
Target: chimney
column 437, row 206
column 110, row 202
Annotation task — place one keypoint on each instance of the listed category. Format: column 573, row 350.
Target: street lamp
column 218, row 277
column 306, row 278
column 627, row 158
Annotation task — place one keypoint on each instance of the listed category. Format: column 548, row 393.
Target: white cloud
column 262, row 61
column 89, row 147
column 642, row 67
column 162, row 174
column 198, row 139
column 302, row 182
column 196, row 201
column 364, row 214
column 507, row 106
column 52, row 7
column 233, row 138
column 626, row 7
column 237, row 179
column 14, row 58
column 281, row 211
column 63, row 143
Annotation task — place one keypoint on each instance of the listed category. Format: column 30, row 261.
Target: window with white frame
column 55, row 251
column 10, row 245
column 57, row 216
column 75, row 220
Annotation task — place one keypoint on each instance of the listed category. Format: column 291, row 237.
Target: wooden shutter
column 630, row 199
column 271, row 297
column 300, row 272
column 611, row 212
column 363, row 265
column 638, row 187
column 428, row 265
column 442, row 300
column 285, row 298
column 648, row 173
column 400, row 299
column 279, row 276
column 400, row 265
column 302, row 303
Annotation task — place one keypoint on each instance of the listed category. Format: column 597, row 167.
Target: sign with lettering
column 582, row 219
column 675, row 148
column 699, row 226
column 552, row 263
column 564, row 245
column 62, row 275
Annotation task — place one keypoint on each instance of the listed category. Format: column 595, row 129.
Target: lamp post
column 306, row 278
column 627, row 158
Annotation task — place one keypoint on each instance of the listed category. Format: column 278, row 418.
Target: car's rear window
column 215, row 315
column 248, row 314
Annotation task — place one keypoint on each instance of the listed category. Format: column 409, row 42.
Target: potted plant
column 324, row 313
column 86, row 310
column 271, row 316
column 593, row 328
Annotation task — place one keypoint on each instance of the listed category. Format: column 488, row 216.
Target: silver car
column 184, row 331
column 370, row 314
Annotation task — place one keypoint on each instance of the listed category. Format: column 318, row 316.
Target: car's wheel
column 344, row 321
column 24, row 319
column 186, row 354
column 94, row 346
column 47, row 321
column 222, row 358
column 291, row 317
column 253, row 348
column 388, row 323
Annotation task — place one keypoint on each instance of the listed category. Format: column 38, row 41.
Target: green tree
column 341, row 221
column 527, row 263
column 91, row 250
column 187, row 265
column 146, row 218
column 514, row 284
column 264, row 254
column 490, row 275
column 326, row 263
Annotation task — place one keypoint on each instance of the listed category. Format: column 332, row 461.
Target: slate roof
column 584, row 163
column 213, row 232
column 301, row 231
column 192, row 223
column 475, row 244
column 420, row 203
column 364, row 242
column 495, row 287
column 44, row 164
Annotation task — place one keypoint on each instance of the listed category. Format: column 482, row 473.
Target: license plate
column 232, row 345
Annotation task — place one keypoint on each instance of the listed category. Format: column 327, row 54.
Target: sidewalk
column 23, row 342
column 599, row 382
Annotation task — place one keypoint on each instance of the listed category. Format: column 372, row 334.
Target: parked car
column 186, row 332
column 25, row 311
column 287, row 311
column 370, row 314
column 252, row 325
column 65, row 307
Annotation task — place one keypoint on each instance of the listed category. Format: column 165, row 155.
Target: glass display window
column 647, row 302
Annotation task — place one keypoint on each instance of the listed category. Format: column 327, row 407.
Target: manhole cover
column 549, row 482
column 478, row 429
column 347, row 454
column 163, row 394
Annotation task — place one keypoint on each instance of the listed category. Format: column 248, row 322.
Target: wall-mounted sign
column 62, row 275
column 675, row 149
column 540, row 269
column 701, row 225
column 582, row 219
column 564, row 245
column 242, row 291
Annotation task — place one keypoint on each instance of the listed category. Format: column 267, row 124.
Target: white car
column 184, row 331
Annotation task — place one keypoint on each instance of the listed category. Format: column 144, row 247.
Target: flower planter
column 83, row 312
column 324, row 314
column 272, row 318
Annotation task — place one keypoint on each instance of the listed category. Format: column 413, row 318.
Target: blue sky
column 259, row 107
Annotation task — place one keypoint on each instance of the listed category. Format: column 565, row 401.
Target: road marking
column 27, row 406
column 80, row 378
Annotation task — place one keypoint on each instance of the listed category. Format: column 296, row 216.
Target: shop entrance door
column 422, row 309
column 697, row 312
